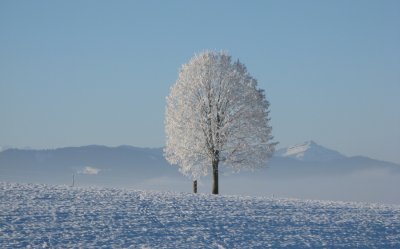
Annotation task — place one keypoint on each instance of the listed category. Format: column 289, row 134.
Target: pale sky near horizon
column 97, row 72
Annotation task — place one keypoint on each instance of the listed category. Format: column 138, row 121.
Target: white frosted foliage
column 216, row 113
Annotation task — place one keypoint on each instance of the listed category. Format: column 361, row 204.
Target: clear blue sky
column 97, row 72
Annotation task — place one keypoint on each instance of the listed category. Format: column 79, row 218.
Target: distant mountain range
column 122, row 165
column 136, row 163
column 146, row 168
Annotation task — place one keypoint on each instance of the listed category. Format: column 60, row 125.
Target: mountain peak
column 310, row 151
column 311, row 142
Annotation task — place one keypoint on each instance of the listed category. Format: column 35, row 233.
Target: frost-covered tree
column 216, row 114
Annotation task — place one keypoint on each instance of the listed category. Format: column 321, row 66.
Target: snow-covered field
column 40, row 216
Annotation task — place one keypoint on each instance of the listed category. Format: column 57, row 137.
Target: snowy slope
column 40, row 216
column 310, row 151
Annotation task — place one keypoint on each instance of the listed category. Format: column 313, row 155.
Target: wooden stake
column 195, row 186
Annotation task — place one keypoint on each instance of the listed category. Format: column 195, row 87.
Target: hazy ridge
column 310, row 171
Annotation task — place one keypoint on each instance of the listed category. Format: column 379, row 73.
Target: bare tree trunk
column 215, row 177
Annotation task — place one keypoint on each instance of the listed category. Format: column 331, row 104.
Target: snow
column 4, row 147
column 90, row 171
column 41, row 216
column 298, row 150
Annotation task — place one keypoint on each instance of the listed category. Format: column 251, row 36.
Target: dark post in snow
column 195, row 186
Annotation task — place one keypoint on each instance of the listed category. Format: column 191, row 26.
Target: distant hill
column 307, row 170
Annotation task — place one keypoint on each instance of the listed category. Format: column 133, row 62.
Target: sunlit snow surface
column 39, row 216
